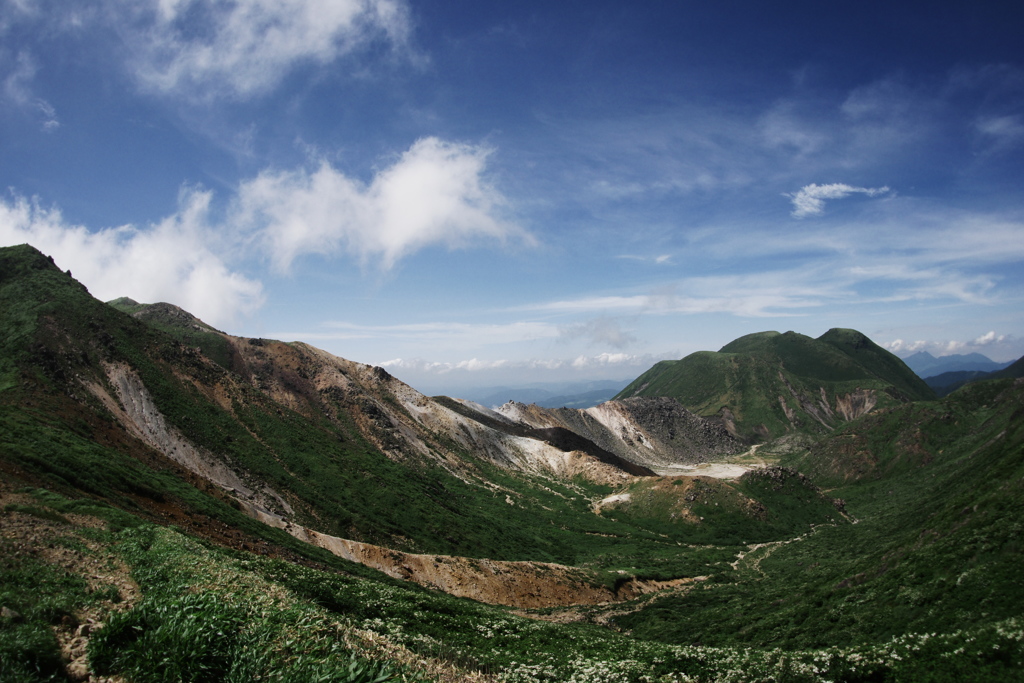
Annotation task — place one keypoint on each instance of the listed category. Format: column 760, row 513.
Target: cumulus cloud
column 810, row 200
column 435, row 193
column 442, row 368
column 988, row 343
column 605, row 359
column 216, row 48
column 899, row 346
column 989, row 338
column 172, row 260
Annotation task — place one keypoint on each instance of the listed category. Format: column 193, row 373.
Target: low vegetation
column 884, row 546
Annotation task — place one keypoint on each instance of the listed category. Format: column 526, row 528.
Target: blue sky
column 477, row 193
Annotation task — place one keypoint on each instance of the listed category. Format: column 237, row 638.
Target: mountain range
column 926, row 365
column 549, row 395
column 183, row 504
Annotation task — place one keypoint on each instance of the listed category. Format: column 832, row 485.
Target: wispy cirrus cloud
column 449, row 333
column 582, row 362
column 756, row 295
column 1002, row 133
column 660, row 259
column 17, row 90
column 602, row 331
column 810, row 199
column 206, row 49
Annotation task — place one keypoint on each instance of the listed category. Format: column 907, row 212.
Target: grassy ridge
column 182, row 326
column 938, row 546
column 336, row 481
column 926, row 586
column 768, row 384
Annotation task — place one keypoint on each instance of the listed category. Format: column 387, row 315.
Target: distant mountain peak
column 926, row 365
column 766, row 384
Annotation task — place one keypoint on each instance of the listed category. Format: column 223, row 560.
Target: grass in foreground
column 209, row 614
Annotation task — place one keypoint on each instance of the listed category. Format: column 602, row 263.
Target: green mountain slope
column 122, row 527
column 287, row 431
column 937, row 489
column 766, row 384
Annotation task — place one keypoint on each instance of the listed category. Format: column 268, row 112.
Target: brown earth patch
column 26, row 535
column 525, row 585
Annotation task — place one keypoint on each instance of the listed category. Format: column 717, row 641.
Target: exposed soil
column 715, row 470
column 605, row 614
column 526, row 585
column 27, row 535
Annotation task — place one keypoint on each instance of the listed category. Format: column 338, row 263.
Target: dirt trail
column 772, row 547
column 27, row 535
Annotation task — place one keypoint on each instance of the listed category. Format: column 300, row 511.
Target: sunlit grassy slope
column 59, row 338
column 768, row 384
column 924, row 586
column 937, row 489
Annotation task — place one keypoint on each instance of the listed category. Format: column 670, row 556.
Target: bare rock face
column 648, row 431
column 135, row 409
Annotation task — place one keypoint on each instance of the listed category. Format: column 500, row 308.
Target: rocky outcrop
column 847, row 406
column 403, row 423
column 653, row 432
column 135, row 410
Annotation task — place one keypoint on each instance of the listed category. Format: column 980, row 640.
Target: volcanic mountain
column 177, row 503
column 768, row 384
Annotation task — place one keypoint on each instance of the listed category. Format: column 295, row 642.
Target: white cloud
column 661, row 259
column 899, row 346
column 757, row 295
column 990, row 343
column 206, row 49
column 602, row 360
column 171, row 261
column 810, row 200
column 17, row 91
column 449, row 333
column 1003, row 132
column 591, row 303
column 988, row 338
column 435, row 193
column 783, row 128
column 442, row 368
column 606, row 359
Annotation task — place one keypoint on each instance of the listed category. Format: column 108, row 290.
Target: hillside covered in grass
column 180, row 504
column 767, row 384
